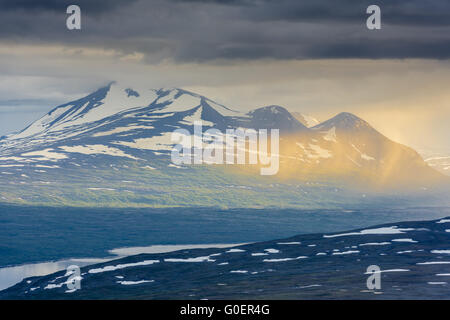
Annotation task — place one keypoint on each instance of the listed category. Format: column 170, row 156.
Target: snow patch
column 131, row 283
column 123, row 266
column 330, row 135
column 235, row 250
column 383, row 230
column 162, row 142
column 197, row 259
column 345, row 252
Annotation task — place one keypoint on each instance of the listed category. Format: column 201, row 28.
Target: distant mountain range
column 413, row 260
column 128, row 130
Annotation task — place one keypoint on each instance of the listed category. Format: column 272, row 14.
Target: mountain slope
column 347, row 148
column 306, row 120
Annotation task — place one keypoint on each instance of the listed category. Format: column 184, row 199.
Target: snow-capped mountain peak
column 344, row 121
column 111, row 105
column 101, row 104
column 275, row 117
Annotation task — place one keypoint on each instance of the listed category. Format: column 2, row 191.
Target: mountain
column 104, row 149
column 118, row 115
column 412, row 257
column 349, row 149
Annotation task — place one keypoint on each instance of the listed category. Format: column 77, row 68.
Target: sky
column 312, row 56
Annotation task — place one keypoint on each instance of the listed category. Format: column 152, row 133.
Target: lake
column 43, row 234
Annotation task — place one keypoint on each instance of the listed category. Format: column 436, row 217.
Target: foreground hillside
column 414, row 258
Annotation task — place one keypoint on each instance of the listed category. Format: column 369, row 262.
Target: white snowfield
column 197, row 259
column 389, row 270
column 285, row 259
column 235, row 250
column 440, row 251
column 128, row 251
column 313, row 151
column 383, row 230
column 362, row 154
column 405, row 240
column 116, row 101
column 310, row 121
column 123, row 266
column 47, row 154
column 319, row 152
column 120, row 100
column 101, row 189
column 120, row 130
column 330, row 135
column 289, row 243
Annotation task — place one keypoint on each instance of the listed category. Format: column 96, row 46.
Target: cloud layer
column 200, row 30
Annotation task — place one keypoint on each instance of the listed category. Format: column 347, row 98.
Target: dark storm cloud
column 415, row 12
column 202, row 30
column 93, row 6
